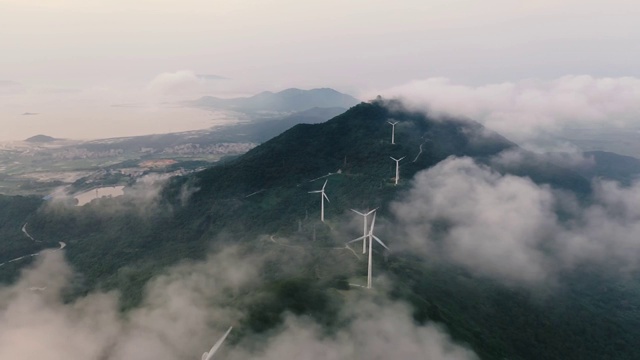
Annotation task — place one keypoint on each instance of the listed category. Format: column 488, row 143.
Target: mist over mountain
column 288, row 100
column 172, row 209
column 496, row 252
column 608, row 165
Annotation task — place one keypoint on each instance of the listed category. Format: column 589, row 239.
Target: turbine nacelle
column 322, row 198
column 393, row 131
column 364, row 228
column 397, row 167
column 371, row 237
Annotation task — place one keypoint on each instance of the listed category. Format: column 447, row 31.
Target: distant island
column 40, row 139
column 29, row 113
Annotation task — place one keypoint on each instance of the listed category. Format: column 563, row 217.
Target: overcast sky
column 356, row 46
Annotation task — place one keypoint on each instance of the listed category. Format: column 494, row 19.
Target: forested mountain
column 260, row 201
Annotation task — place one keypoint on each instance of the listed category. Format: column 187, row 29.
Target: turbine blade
column 358, row 239
column 204, row 356
column 315, row 192
column 370, row 212
column 402, row 158
column 380, row 242
column 373, row 223
column 359, row 213
column 325, row 184
column 394, row 158
column 218, row 344
column 325, row 196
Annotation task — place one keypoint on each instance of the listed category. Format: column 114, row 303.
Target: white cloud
column 496, row 223
column 177, row 319
column 505, row 227
column 526, row 109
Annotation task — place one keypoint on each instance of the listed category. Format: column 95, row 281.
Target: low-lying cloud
column 377, row 330
column 508, row 228
column 181, row 313
column 142, row 197
column 185, row 310
column 493, row 224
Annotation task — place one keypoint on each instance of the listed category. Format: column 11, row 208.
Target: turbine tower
column 393, row 131
column 364, row 228
column 324, row 196
column 209, row 355
column 397, row 167
column 371, row 237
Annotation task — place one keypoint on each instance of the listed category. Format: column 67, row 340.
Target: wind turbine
column 364, row 229
column 324, row 196
column 371, row 238
column 209, row 355
column 393, row 131
column 397, row 167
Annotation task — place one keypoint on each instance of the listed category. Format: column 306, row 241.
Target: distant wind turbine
column 397, row 167
column 393, row 131
column 209, row 355
column 371, row 237
column 364, row 228
column 324, row 196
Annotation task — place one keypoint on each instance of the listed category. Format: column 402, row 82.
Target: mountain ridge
column 288, row 100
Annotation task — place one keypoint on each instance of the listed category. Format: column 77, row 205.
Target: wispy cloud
column 376, row 329
column 187, row 308
column 183, row 82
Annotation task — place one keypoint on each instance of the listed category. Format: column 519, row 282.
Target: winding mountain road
column 24, row 230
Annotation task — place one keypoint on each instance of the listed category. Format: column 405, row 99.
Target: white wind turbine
column 371, row 237
column 209, row 355
column 393, row 131
column 364, row 228
column 324, row 196
column 397, row 167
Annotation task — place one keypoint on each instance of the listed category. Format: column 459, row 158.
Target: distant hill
column 289, row 100
column 265, row 130
column 590, row 165
column 254, row 131
column 40, row 139
column 612, row 166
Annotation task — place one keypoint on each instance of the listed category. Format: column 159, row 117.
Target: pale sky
column 120, row 46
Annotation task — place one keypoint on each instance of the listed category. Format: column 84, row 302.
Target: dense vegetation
column 15, row 211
